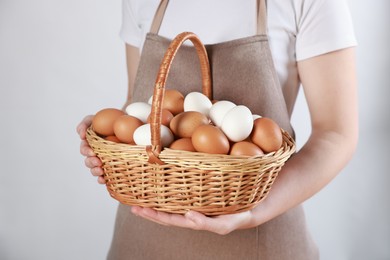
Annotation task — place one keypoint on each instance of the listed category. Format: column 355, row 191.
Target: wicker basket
column 177, row 181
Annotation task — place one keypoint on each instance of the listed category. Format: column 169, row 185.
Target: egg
column 196, row 101
column 218, row 111
column 185, row 123
column 184, row 144
column 173, row 101
column 140, row 110
column 150, row 100
column 142, row 135
column 245, row 148
column 267, row 134
column 255, row 116
column 210, row 139
column 237, row 124
column 103, row 121
column 124, row 127
column 166, row 117
column 113, row 138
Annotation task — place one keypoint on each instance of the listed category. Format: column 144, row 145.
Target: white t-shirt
column 297, row 29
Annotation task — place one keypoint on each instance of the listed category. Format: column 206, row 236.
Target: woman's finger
column 101, row 180
column 148, row 214
column 85, row 149
column 82, row 127
column 223, row 224
column 164, row 218
column 92, row 162
column 97, row 171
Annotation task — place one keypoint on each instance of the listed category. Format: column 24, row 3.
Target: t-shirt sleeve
column 130, row 31
column 324, row 26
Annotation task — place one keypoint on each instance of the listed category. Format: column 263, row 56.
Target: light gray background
column 61, row 60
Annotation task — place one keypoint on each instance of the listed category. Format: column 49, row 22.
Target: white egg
column 150, row 100
column 142, row 135
column 255, row 116
column 237, row 123
column 140, row 110
column 218, row 111
column 196, row 101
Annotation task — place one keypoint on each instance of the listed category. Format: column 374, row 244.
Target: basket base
column 182, row 207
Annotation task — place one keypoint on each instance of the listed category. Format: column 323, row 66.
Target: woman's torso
column 284, row 237
column 233, row 20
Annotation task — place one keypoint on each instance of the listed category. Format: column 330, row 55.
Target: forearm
column 324, row 155
column 329, row 83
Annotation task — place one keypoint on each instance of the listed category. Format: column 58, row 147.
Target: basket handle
column 159, row 88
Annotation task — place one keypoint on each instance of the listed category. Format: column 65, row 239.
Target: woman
column 312, row 44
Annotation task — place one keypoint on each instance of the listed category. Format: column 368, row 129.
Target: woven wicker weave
column 177, row 181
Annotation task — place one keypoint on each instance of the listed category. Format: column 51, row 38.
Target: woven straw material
column 177, row 181
column 210, row 184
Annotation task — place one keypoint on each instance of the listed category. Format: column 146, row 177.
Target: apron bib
column 243, row 72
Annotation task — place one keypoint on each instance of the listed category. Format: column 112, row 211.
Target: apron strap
column 158, row 17
column 261, row 17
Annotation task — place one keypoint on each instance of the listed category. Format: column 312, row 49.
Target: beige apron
column 242, row 72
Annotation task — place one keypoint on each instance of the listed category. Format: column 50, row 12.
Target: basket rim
column 287, row 149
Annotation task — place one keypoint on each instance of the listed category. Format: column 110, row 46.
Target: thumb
column 202, row 222
column 199, row 220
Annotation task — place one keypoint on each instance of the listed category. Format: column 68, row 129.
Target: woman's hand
column 221, row 225
column 91, row 161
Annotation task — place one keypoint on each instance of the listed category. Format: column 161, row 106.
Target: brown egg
column 113, row 138
column 166, row 117
column 103, row 121
column 185, row 123
column 124, row 128
column 210, row 139
column 184, row 144
column 173, row 101
column 267, row 134
column 245, row 148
